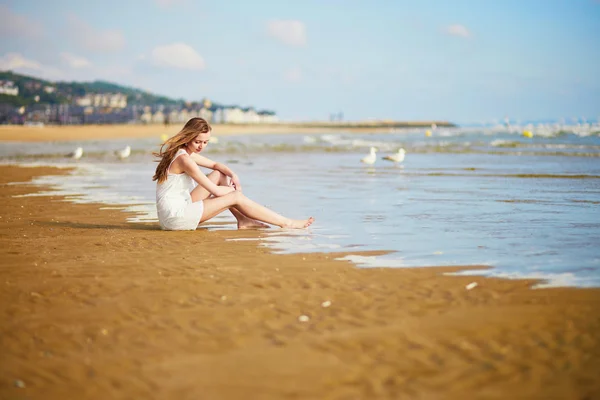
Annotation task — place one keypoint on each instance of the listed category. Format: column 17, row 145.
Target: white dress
column 176, row 211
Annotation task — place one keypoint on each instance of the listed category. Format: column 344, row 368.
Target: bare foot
column 251, row 224
column 299, row 223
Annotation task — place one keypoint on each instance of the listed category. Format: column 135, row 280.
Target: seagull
column 123, row 153
column 76, row 154
column 370, row 159
column 396, row 157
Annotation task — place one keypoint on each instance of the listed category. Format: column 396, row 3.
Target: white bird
column 396, row 157
column 124, row 153
column 371, row 158
column 77, row 153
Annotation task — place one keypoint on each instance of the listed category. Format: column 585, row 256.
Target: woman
column 185, row 196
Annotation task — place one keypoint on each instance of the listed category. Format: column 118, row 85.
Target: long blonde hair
column 169, row 148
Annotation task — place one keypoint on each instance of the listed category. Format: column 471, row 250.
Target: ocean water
column 525, row 207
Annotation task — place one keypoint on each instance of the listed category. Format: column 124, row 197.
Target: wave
column 576, row 142
column 509, row 149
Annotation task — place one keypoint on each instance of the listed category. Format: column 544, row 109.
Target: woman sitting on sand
column 185, row 196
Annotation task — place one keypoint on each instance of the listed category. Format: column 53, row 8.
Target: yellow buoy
column 527, row 134
column 427, row 133
column 164, row 137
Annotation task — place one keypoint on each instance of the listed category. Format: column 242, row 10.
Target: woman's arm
column 190, row 167
column 224, row 169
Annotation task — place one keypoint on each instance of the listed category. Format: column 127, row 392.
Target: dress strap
column 179, row 152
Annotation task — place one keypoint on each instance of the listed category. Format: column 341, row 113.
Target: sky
column 464, row 61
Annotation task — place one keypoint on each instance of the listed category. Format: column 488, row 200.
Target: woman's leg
column 218, row 178
column 199, row 193
column 216, row 205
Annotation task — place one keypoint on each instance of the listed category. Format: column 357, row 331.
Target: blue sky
column 462, row 61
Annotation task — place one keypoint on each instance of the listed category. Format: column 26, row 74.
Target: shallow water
column 525, row 206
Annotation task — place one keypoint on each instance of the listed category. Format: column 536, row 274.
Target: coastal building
column 33, row 86
column 217, row 117
column 112, row 100
column 249, row 115
column 85, row 112
column 205, row 113
column 158, row 117
column 184, row 115
column 112, row 108
column 146, row 116
column 9, row 88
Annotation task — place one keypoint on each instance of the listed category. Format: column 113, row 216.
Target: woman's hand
column 235, row 183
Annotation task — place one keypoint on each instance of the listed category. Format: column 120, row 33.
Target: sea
column 520, row 201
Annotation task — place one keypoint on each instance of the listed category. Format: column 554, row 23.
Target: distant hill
column 64, row 92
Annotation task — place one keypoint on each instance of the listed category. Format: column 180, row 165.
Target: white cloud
column 457, row 30
column 15, row 25
column 177, row 55
column 293, row 74
column 75, row 68
column 74, row 61
column 93, row 39
column 12, row 61
column 18, row 63
column 289, row 32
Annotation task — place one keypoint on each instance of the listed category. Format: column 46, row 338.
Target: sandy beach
column 94, row 132
column 93, row 307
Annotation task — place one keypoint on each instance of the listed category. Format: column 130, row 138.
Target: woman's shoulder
column 177, row 162
column 180, row 155
column 182, row 161
column 181, row 152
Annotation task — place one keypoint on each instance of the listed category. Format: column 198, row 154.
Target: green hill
column 64, row 92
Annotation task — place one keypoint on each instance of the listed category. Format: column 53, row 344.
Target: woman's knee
column 223, row 179
column 217, row 177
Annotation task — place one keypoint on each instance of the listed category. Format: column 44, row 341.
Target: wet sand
column 92, row 307
column 96, row 132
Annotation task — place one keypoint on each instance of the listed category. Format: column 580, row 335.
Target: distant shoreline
column 24, row 133
column 349, row 124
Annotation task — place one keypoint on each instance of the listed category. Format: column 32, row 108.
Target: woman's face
column 199, row 142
